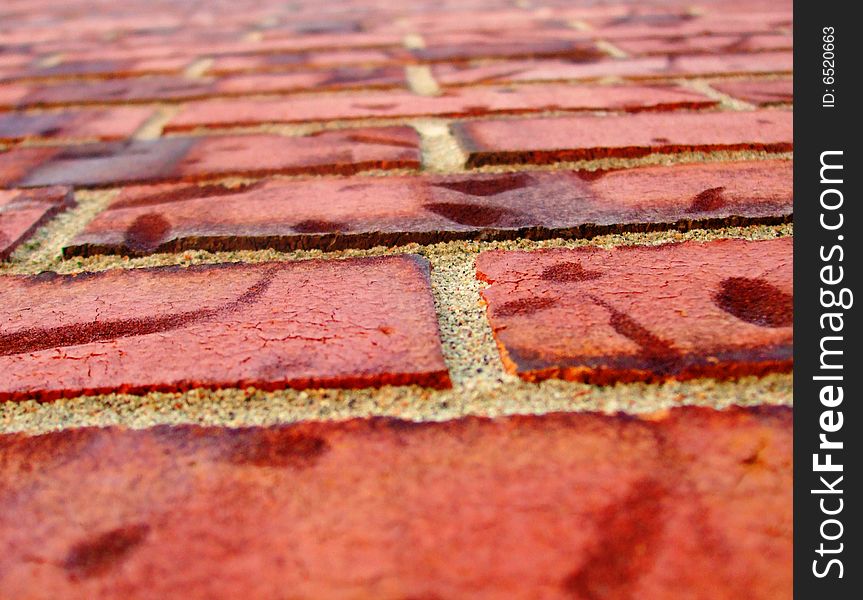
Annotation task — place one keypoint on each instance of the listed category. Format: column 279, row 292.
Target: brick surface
column 717, row 309
column 196, row 158
column 761, row 93
column 224, row 65
column 109, row 91
column 752, row 22
column 635, row 68
column 353, row 77
column 108, row 68
column 589, row 137
column 109, row 124
column 719, row 44
column 351, row 323
column 574, row 50
column 465, row 102
column 693, row 504
column 164, row 88
column 15, row 164
column 22, row 211
column 368, row 211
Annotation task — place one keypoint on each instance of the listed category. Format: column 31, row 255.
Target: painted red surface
column 716, row 44
column 350, row 323
column 168, row 88
column 693, row 503
column 464, row 102
column 255, row 63
column 629, row 136
column 759, row 92
column 104, row 124
column 363, row 212
column 196, row 158
column 22, row 211
column 719, row 309
column 653, row 67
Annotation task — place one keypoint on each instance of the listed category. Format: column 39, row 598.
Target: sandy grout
column 44, row 248
column 154, row 126
column 421, row 81
column 197, row 68
column 610, row 49
column 725, row 101
column 440, row 150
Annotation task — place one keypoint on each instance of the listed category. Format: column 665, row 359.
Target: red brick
column 106, row 124
column 12, row 94
column 109, row 91
column 574, row 50
column 733, row 64
column 15, row 164
column 330, row 40
column 166, row 88
column 590, row 137
column 642, row 313
column 760, row 92
column 197, row 158
column 454, row 103
column 370, row 211
column 694, row 503
column 636, row 68
column 356, row 77
column 224, row 65
column 15, row 60
column 343, row 151
column 109, row 68
column 686, row 25
column 705, row 44
column 351, row 323
column 22, row 211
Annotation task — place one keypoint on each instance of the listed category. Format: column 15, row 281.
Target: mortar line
column 421, row 81
column 612, row 50
column 153, row 127
column 197, row 68
column 725, row 101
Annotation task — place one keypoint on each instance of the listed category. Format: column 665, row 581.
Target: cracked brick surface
column 589, row 137
column 642, row 313
column 351, row 323
column 692, row 503
column 22, row 211
column 367, row 212
column 229, row 230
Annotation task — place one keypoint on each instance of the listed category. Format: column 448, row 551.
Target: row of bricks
column 122, row 122
column 363, row 212
column 557, row 38
column 539, row 140
column 666, row 64
column 439, row 29
column 282, row 54
column 632, row 313
column 134, row 25
column 558, row 506
column 152, row 89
